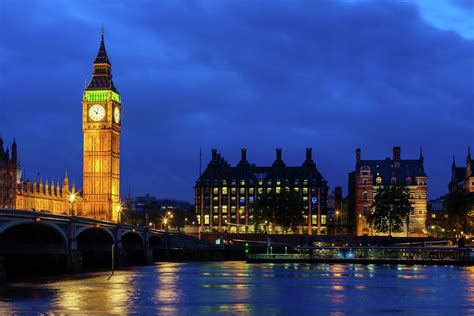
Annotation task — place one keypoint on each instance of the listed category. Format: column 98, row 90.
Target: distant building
column 462, row 178
column 437, row 217
column 151, row 203
column 142, row 203
column 225, row 195
column 369, row 175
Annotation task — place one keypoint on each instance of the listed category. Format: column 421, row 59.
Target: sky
column 332, row 75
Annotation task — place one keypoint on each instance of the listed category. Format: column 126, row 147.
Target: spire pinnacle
column 422, row 159
column 468, row 153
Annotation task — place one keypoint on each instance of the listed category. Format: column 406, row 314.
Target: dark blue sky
column 331, row 75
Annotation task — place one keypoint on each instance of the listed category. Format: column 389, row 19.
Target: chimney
column 243, row 154
column 396, row 153
column 214, row 154
column 358, row 155
column 308, row 154
column 278, row 154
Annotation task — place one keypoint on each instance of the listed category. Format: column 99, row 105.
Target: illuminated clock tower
column 101, row 120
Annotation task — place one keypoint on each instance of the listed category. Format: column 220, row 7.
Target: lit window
column 242, row 182
column 433, row 215
column 224, row 190
column 224, row 208
column 251, row 190
column 215, row 190
column 234, row 190
column 305, row 190
column 242, row 190
column 297, row 189
column 378, row 180
column 323, row 219
column 278, row 189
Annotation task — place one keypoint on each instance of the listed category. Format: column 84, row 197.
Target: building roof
column 102, row 76
column 388, row 168
column 218, row 170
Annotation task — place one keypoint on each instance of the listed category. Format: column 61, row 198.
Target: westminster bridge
column 44, row 243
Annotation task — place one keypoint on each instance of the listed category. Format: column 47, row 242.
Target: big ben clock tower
column 101, row 122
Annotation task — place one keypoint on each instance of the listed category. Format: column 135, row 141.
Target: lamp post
column 338, row 213
column 72, row 198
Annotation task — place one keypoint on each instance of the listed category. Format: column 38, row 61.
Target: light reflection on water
column 240, row 288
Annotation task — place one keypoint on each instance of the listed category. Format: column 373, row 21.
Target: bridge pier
column 3, row 275
column 120, row 257
column 74, row 257
column 148, row 251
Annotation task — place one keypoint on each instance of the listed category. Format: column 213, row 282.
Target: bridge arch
column 18, row 222
column 95, row 244
column 134, row 245
column 84, row 228
column 33, row 248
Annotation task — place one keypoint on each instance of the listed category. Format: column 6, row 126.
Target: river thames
column 240, row 288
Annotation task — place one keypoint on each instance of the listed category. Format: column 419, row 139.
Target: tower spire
column 102, row 76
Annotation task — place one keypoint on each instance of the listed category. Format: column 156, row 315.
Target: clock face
column 97, row 112
column 117, row 115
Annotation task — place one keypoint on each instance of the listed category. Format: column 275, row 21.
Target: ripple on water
column 240, row 288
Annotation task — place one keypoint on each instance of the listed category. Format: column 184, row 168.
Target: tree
column 391, row 209
column 282, row 209
column 459, row 207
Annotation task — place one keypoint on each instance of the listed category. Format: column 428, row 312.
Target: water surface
column 240, row 288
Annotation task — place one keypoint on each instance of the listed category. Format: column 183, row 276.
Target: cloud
column 333, row 76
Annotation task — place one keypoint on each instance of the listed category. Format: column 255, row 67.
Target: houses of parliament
column 101, row 126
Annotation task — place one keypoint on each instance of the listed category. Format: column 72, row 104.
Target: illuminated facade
column 101, row 124
column 462, row 178
column 370, row 175
column 224, row 195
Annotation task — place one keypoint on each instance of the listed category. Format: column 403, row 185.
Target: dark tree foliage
column 459, row 207
column 281, row 209
column 391, row 209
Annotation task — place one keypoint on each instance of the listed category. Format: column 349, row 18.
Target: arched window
column 364, row 195
column 378, row 180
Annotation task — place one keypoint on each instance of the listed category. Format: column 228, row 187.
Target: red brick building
column 369, row 175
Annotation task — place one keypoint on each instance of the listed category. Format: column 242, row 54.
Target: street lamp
column 72, row 198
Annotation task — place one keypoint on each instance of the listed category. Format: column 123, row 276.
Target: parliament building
column 225, row 194
column 101, row 125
